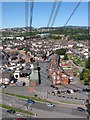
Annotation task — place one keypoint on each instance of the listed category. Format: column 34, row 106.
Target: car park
column 11, row 111
column 80, row 109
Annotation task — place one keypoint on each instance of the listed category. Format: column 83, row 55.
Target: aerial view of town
column 44, row 60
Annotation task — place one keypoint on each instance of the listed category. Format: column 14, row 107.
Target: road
column 43, row 90
column 42, row 110
column 4, row 114
column 44, row 74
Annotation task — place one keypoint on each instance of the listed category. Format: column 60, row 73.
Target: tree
column 86, row 80
column 88, row 63
column 85, row 74
column 61, row 51
column 65, row 57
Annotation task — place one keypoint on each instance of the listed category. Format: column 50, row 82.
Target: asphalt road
column 5, row 114
column 57, row 111
column 44, row 74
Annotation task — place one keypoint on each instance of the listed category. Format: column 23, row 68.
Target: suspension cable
column 31, row 14
column 26, row 15
column 57, row 10
column 51, row 15
column 72, row 13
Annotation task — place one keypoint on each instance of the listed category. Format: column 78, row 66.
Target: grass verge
column 27, row 97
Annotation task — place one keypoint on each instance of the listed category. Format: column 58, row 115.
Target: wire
column 51, row 15
column 26, row 14
column 31, row 14
column 72, row 13
column 57, row 10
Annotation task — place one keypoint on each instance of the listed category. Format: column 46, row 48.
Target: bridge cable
column 72, row 13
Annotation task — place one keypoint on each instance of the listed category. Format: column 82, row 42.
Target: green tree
column 65, row 57
column 86, row 80
column 61, row 51
column 88, row 63
column 85, row 74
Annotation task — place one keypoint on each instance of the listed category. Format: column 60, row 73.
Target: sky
column 13, row 14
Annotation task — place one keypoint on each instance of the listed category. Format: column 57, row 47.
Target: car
column 13, row 81
column 62, row 92
column 80, row 109
column 11, row 111
column 68, row 91
column 21, row 83
column 2, row 86
column 79, row 91
column 58, row 92
column 84, row 90
column 50, row 105
column 56, row 88
column 71, row 91
column 52, row 86
column 48, row 76
column 30, row 101
column 74, row 90
column 47, row 70
column 18, row 114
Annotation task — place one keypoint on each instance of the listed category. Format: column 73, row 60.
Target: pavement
column 41, row 109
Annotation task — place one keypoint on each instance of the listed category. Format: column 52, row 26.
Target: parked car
column 71, row 91
column 2, row 86
column 11, row 111
column 52, row 86
column 68, row 91
column 13, row 81
column 47, row 70
column 62, row 92
column 58, row 92
column 18, row 114
column 48, row 76
column 80, row 109
column 79, row 90
column 74, row 91
column 50, row 105
column 21, row 83
column 56, row 88
column 53, row 93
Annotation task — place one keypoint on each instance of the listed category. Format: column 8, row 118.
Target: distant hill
column 33, row 28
